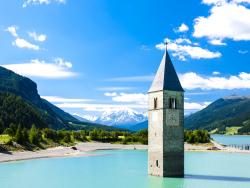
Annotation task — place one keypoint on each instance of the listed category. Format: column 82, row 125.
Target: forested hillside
column 15, row 111
column 21, row 104
column 232, row 111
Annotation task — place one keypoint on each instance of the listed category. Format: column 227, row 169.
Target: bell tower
column 165, row 122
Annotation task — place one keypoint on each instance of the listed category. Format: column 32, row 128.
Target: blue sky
column 88, row 57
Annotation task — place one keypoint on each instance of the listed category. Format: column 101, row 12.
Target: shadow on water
column 217, row 178
column 160, row 182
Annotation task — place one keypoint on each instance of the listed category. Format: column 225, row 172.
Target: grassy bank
column 227, row 131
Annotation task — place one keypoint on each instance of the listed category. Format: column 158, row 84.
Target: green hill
column 21, row 103
column 232, row 111
column 14, row 110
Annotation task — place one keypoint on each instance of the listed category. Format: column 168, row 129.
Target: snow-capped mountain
column 85, row 118
column 90, row 118
column 121, row 117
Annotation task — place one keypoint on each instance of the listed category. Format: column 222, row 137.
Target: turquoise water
column 232, row 139
column 126, row 169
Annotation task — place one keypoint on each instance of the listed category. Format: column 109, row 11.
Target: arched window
column 155, row 103
column 172, row 103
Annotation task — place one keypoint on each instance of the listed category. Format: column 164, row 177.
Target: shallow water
column 231, row 139
column 126, row 168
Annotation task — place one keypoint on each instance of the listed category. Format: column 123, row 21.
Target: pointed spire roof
column 166, row 77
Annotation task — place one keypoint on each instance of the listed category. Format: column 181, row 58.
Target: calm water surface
column 126, row 169
column 232, row 139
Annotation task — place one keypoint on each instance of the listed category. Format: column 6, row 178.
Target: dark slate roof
column 166, row 77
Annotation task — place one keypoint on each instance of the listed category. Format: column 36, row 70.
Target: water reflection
column 159, row 182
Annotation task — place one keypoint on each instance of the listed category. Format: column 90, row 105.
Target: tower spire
column 166, row 77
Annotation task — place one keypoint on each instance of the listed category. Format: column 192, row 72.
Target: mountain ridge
column 26, row 89
column 231, row 111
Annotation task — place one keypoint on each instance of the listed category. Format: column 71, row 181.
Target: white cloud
column 37, row 37
column 137, row 98
column 39, row 68
column 113, row 94
column 192, row 80
column 216, row 73
column 21, row 43
column 217, row 42
column 182, row 28
column 182, row 40
column 227, row 20
column 243, row 51
column 137, row 101
column 124, row 101
column 195, row 106
column 40, row 2
column 182, row 51
column 62, row 63
column 114, row 88
column 241, row 1
column 12, row 30
column 56, row 99
column 197, row 93
column 214, row 2
column 100, row 107
column 132, row 79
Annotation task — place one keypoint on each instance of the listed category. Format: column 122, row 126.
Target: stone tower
column 165, row 122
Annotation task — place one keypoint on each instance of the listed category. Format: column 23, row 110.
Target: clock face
column 172, row 117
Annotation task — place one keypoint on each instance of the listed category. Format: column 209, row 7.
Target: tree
column 197, row 136
column 25, row 135
column 11, row 130
column 83, row 135
column 1, row 126
column 50, row 134
column 67, row 137
column 94, row 134
column 33, row 135
column 19, row 137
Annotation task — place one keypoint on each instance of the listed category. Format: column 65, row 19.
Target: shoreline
column 84, row 148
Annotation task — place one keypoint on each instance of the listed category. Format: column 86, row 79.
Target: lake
column 126, row 169
column 231, row 139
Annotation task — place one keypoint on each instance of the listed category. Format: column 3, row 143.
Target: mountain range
column 20, row 103
column 120, row 118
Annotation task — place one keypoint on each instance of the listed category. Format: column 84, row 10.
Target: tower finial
column 166, row 44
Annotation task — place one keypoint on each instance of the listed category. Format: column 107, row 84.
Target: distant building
column 165, row 119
